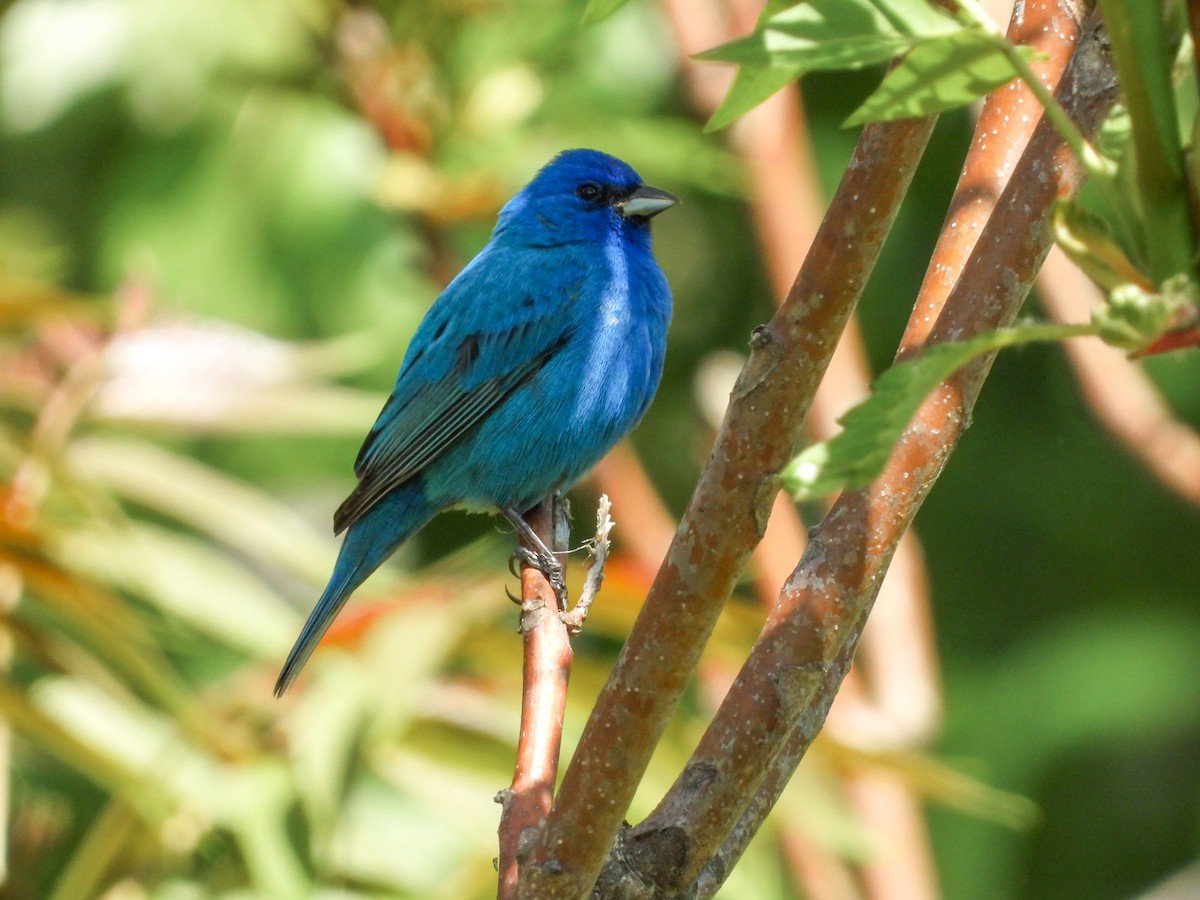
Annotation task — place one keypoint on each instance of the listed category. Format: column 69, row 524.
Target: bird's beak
column 646, row 201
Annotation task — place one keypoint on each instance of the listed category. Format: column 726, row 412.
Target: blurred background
column 219, row 225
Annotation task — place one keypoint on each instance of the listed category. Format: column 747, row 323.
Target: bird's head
column 582, row 195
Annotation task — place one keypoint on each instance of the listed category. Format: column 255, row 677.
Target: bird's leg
column 534, row 552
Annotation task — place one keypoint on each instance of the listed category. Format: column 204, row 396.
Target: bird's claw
column 520, row 555
column 548, row 565
column 558, row 583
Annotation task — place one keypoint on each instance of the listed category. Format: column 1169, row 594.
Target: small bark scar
column 764, row 501
column 765, row 355
column 796, row 687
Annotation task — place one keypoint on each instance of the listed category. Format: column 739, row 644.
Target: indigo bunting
column 535, row 360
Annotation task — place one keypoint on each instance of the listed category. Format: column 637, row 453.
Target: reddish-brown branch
column 900, row 705
column 897, row 700
column 1002, row 132
column 907, row 686
column 783, row 694
column 726, row 516
column 543, row 703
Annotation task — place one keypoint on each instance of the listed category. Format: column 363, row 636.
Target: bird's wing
column 464, row 361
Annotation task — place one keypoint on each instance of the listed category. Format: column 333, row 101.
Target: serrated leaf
column 600, row 9
column 940, row 74
column 834, row 34
column 821, row 34
column 856, row 456
column 751, row 86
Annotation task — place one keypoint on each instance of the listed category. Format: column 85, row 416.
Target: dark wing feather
column 493, row 328
column 411, row 434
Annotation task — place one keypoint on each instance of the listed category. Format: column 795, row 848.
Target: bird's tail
column 368, row 542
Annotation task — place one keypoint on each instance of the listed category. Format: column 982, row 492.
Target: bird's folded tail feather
column 370, row 541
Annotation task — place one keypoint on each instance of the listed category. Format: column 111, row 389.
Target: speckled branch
column 725, row 517
column 782, row 695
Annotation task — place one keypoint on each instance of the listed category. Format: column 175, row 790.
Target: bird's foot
column 547, row 564
column 532, row 551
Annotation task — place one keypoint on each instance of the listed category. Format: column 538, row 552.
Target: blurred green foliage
column 219, row 223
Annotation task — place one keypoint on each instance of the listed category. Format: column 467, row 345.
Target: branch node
column 532, row 609
column 764, row 503
column 643, row 864
column 697, row 776
column 527, row 842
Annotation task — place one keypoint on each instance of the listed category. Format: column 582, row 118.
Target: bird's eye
column 589, row 191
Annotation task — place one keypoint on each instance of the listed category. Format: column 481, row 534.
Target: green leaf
column 1135, row 318
column 948, row 786
column 835, row 34
column 821, row 34
column 93, row 857
column 600, row 9
column 855, row 457
column 941, row 74
column 751, row 86
column 253, row 803
column 1088, row 240
column 191, row 580
column 104, row 626
column 323, row 735
column 74, row 746
column 1143, row 57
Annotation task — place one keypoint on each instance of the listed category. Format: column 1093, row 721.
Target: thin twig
column 547, row 669
column 598, row 555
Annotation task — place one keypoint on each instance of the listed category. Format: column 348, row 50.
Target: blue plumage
column 542, row 354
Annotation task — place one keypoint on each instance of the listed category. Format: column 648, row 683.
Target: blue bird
column 541, row 355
